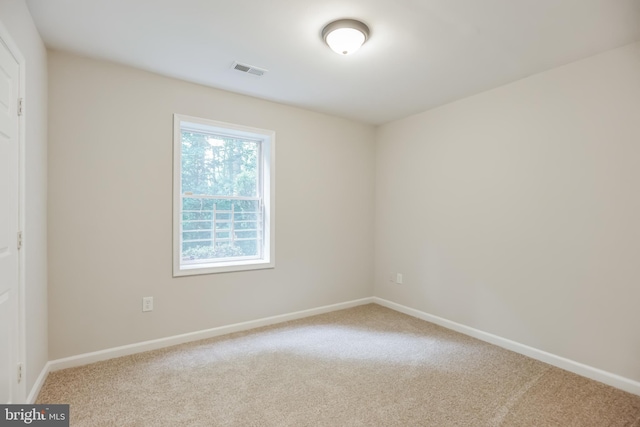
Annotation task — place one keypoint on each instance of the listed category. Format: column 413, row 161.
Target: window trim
column 267, row 179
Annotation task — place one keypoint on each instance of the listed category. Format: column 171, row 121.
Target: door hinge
column 19, row 373
column 20, row 106
column 19, row 240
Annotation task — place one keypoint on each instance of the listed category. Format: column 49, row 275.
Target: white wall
column 110, row 183
column 16, row 18
column 516, row 211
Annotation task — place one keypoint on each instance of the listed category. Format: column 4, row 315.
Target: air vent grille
column 249, row 69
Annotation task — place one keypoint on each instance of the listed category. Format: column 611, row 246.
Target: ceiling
column 420, row 54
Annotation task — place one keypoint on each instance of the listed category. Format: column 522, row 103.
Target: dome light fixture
column 345, row 36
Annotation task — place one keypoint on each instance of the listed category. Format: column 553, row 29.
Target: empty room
column 320, row 213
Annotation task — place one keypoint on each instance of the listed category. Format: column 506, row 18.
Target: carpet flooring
column 364, row 366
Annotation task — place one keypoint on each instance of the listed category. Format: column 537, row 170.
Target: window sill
column 221, row 267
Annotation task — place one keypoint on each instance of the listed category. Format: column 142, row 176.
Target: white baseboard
column 125, row 350
column 605, row 377
column 596, row 374
column 37, row 386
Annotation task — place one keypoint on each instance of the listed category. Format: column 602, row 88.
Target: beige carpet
column 365, row 366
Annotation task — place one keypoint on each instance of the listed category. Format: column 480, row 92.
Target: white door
column 9, row 267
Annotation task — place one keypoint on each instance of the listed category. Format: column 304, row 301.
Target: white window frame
column 267, row 139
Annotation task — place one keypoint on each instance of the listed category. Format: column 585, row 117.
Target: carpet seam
column 503, row 411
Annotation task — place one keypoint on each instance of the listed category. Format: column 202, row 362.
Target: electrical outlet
column 399, row 278
column 147, row 303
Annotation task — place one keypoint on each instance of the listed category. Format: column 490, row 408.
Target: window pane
column 215, row 229
column 219, row 166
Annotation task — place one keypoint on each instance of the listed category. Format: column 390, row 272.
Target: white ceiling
column 421, row 53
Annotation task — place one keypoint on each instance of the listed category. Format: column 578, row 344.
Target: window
column 223, row 188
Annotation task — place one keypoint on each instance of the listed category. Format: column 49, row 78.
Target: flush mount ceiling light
column 345, row 36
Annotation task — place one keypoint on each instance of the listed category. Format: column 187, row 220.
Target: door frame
column 5, row 37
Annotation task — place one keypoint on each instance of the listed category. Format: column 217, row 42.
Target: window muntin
column 223, row 201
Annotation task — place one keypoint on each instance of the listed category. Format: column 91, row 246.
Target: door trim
column 8, row 41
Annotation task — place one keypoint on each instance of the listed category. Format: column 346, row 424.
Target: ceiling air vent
column 249, row 69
